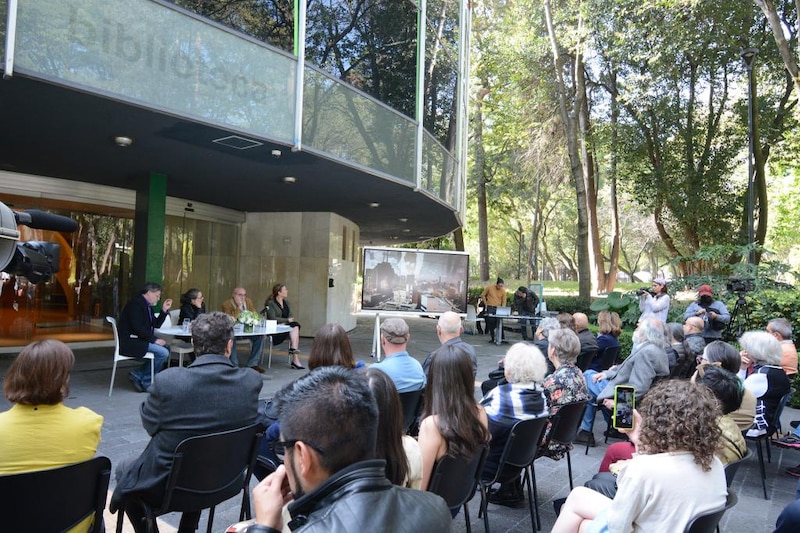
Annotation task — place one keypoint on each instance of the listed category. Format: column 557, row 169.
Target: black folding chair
column 410, row 401
column 56, row 499
column 455, row 480
column 609, row 357
column 565, row 426
column 707, row 523
column 519, row 452
column 767, row 438
column 206, row 471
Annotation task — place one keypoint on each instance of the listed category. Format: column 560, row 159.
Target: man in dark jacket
column 208, row 396
column 525, row 302
column 136, row 333
column 329, row 426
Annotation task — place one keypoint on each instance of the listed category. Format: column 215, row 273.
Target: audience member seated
column 610, row 327
column 693, row 342
column 781, row 329
column 675, row 475
column 589, row 348
column 210, row 395
column 453, row 423
column 449, row 330
column 566, row 384
column 497, row 377
column 647, row 361
column 331, row 347
column 332, row 480
column 727, row 357
column 764, row 377
column 520, row 398
column 39, row 432
column 405, row 371
column 686, row 363
column 401, row 452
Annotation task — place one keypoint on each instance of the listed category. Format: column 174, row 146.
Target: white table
column 258, row 331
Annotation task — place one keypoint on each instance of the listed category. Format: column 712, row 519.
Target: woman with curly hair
column 453, row 423
column 675, row 476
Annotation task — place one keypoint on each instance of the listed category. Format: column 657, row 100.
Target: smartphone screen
column 624, row 403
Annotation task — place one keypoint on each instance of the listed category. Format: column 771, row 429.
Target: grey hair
column 548, row 324
column 450, row 323
column 782, row 327
column 524, row 363
column 566, row 344
column 676, row 331
column 761, row 347
column 651, row 330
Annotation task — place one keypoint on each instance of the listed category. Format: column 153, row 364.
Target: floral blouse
column 565, row 385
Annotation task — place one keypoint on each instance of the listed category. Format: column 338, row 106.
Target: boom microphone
column 33, row 218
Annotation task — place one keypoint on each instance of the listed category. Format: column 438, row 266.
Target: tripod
column 740, row 319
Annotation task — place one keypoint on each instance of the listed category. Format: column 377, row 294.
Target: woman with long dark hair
column 277, row 308
column 331, row 347
column 453, row 422
column 401, row 452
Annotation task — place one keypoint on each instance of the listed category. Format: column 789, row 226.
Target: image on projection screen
column 415, row 281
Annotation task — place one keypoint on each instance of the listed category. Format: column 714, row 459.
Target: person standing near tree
column 654, row 302
column 494, row 296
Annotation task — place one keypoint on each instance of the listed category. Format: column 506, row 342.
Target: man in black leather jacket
column 329, row 423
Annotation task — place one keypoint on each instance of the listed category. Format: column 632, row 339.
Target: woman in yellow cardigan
column 39, row 432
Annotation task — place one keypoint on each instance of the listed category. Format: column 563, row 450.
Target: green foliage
column 626, row 305
column 566, row 304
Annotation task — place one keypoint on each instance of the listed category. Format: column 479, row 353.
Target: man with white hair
column 647, row 361
column 449, row 330
column 781, row 329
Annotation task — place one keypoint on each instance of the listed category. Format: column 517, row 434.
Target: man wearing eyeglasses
column 240, row 302
column 330, row 479
column 208, row 396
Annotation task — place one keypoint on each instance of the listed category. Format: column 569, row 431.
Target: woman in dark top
column 277, row 308
column 192, row 305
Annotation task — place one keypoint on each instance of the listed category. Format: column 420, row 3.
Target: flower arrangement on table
column 250, row 319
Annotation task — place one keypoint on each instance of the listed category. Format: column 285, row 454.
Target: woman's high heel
column 297, row 367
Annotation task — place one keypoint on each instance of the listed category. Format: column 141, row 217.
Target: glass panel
column 269, row 21
column 355, row 128
column 439, row 171
column 145, row 52
column 370, row 44
column 203, row 255
column 441, row 68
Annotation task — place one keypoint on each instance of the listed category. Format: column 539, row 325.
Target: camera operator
column 654, row 302
column 713, row 312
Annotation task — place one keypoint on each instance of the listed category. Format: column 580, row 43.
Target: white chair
column 119, row 357
column 176, row 345
column 471, row 321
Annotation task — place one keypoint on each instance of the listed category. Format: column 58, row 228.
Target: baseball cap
column 395, row 330
column 704, row 290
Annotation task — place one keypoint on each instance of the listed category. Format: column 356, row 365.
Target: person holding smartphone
column 675, row 475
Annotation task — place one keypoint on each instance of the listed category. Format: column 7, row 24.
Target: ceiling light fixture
column 374, row 204
column 289, row 179
column 403, row 219
column 123, row 142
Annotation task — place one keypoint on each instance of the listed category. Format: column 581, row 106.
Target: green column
column 149, row 230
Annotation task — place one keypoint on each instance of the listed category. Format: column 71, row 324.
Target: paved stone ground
column 123, row 436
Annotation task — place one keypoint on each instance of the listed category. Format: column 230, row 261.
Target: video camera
column 740, row 285
column 643, row 290
column 36, row 260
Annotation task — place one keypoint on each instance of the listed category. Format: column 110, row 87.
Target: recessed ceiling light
column 403, row 219
column 123, row 142
column 289, row 179
column 374, row 204
column 406, row 230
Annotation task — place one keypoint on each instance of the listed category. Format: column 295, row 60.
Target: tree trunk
column 616, row 244
column 576, row 170
column 776, row 25
column 481, row 180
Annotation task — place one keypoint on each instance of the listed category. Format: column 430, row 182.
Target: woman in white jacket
column 656, row 302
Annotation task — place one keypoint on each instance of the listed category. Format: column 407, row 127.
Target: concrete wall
column 304, row 251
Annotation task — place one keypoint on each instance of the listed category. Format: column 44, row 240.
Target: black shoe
column 506, row 499
column 137, row 385
column 585, row 437
column 297, row 367
column 491, row 340
column 558, row 504
column 794, row 423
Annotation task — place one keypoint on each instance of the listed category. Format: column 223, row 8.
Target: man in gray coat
column 647, row 361
column 208, row 396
